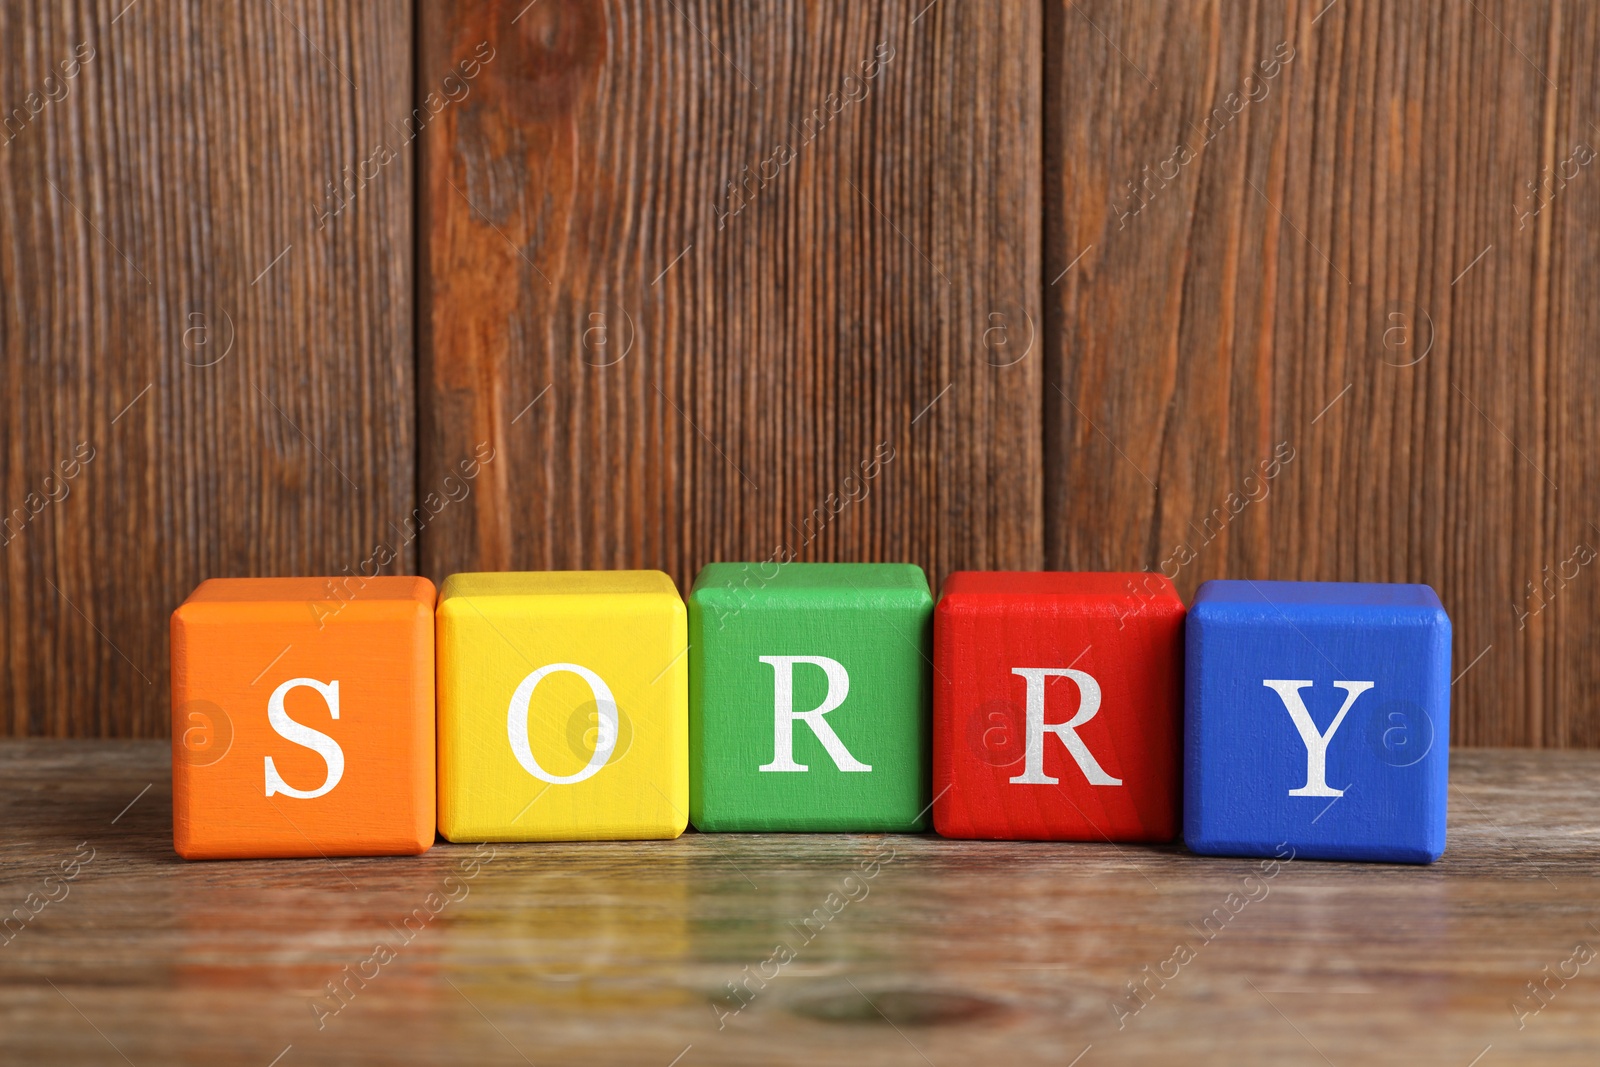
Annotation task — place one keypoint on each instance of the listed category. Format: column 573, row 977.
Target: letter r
column 1088, row 707
column 784, row 715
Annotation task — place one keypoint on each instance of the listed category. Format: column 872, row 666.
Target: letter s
column 317, row 741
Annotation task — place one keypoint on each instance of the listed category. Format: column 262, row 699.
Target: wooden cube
column 302, row 718
column 1317, row 721
column 808, row 697
column 1057, row 703
column 563, row 706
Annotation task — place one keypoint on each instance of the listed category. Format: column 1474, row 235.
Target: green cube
column 809, row 697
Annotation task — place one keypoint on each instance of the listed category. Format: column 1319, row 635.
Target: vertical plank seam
column 418, row 267
column 1538, row 352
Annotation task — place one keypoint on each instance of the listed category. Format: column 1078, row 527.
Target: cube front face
column 563, row 707
column 1317, row 721
column 1057, row 707
column 302, row 718
column 809, row 689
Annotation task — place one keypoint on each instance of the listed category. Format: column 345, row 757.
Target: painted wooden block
column 1057, row 706
column 563, row 706
column 1317, row 721
column 302, row 718
column 808, row 697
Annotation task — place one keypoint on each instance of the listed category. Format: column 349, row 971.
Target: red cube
column 1057, row 707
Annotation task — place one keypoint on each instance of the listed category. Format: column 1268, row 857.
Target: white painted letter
column 1316, row 743
column 517, row 724
column 1088, row 707
column 315, row 740
column 784, row 714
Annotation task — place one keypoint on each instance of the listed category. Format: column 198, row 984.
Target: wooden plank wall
column 718, row 283
column 1356, row 231
column 206, row 355
column 691, row 271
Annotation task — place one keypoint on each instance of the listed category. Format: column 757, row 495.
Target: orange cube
column 302, row 718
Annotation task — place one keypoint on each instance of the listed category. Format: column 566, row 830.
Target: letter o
column 517, row 723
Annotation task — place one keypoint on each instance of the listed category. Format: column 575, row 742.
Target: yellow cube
column 563, row 706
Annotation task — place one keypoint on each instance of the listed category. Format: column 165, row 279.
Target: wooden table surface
column 931, row 951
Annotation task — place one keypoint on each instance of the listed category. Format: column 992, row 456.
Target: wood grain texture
column 727, row 278
column 623, row 952
column 1347, row 267
column 179, row 296
column 730, row 253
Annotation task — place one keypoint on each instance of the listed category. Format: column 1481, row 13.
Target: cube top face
column 782, row 585
column 303, row 718
column 1152, row 592
column 318, row 599
column 1057, row 707
column 558, row 583
column 1359, row 601
column 563, row 707
column 1317, row 721
column 809, row 690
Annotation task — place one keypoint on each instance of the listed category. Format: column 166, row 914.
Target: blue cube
column 1317, row 721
